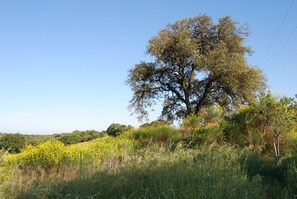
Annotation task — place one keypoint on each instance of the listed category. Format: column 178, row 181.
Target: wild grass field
column 251, row 153
column 143, row 163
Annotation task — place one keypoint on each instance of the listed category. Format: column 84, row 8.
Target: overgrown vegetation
column 17, row 142
column 231, row 143
column 12, row 142
column 79, row 136
column 215, row 154
column 116, row 129
column 158, row 173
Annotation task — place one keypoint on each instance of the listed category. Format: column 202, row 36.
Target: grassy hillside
column 150, row 162
column 17, row 142
column 159, row 173
column 251, row 153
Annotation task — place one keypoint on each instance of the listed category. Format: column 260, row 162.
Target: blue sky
column 63, row 63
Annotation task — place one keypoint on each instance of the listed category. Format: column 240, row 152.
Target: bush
column 89, row 135
column 116, row 129
column 206, row 127
column 70, row 138
column 80, row 136
column 190, row 124
column 38, row 139
column 159, row 134
column 209, row 134
column 158, row 122
column 13, row 142
column 283, row 175
column 264, row 126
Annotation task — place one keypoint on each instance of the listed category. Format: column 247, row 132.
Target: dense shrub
column 38, row 139
column 155, row 134
column 284, row 174
column 208, row 134
column 190, row 124
column 233, row 135
column 79, row 136
column 158, row 122
column 116, row 129
column 70, row 138
column 206, row 127
column 13, row 142
column 264, row 126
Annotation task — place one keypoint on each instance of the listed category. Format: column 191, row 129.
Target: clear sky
column 63, row 64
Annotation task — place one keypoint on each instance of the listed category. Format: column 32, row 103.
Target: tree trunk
column 277, row 152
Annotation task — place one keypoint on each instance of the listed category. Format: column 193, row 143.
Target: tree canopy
column 116, row 129
column 13, row 142
column 196, row 63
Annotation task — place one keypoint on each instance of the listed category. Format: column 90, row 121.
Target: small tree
column 267, row 124
column 13, row 142
column 70, row 138
column 116, row 129
column 158, row 122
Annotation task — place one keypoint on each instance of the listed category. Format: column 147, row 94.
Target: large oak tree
column 196, row 63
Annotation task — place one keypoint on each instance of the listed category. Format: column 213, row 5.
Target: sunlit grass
column 159, row 173
column 118, row 168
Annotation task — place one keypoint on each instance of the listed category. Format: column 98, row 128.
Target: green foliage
column 216, row 172
column 158, row 122
column 266, row 123
column 116, row 129
column 206, row 127
column 70, row 138
column 234, row 134
column 207, row 134
column 291, row 174
column 154, row 134
column 79, row 136
column 161, row 174
column 197, row 63
column 38, row 139
column 283, row 175
column 13, row 142
column 190, row 124
column 156, row 160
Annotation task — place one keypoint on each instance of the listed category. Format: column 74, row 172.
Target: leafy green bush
column 284, row 174
column 79, row 136
column 70, row 138
column 116, row 129
column 13, row 142
column 233, row 134
column 206, row 127
column 156, row 134
column 208, row 134
column 158, row 122
column 291, row 175
column 89, row 135
column 38, row 139
column 190, row 124
column 264, row 126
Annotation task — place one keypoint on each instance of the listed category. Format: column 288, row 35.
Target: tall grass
column 141, row 164
column 53, row 162
column 159, row 173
